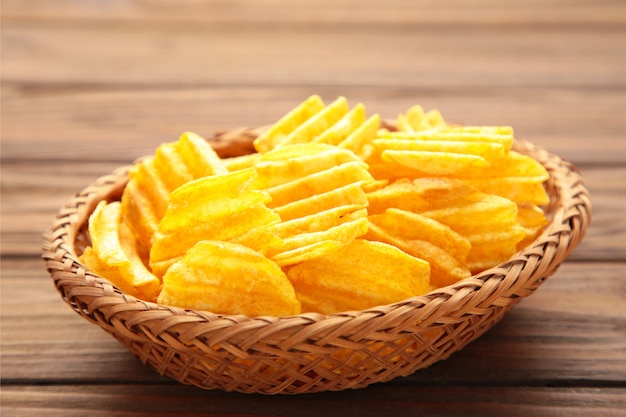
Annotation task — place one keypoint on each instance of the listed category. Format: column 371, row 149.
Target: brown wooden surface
column 88, row 86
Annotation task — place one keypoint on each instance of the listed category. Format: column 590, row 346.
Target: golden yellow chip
column 444, row 249
column 415, row 120
column 114, row 253
column 309, row 231
column 426, row 163
column 218, row 207
column 228, row 278
column 487, row 150
column 151, row 181
column 338, row 281
column 280, row 130
column 344, row 127
column 490, row 248
column 290, row 163
column 517, row 177
column 533, row 220
column 418, row 195
column 318, row 123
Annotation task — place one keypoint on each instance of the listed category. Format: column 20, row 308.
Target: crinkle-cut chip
column 292, row 162
column 494, row 136
column 190, row 157
column 144, row 201
column 199, row 156
column 219, row 207
column 358, row 276
column 115, row 255
column 487, row 150
column 317, row 123
column 280, row 130
column 415, row 119
column 517, row 177
column 475, row 213
column 493, row 247
column 521, row 190
column 343, row 230
column 318, row 183
column 424, row 238
column 433, row 163
column 360, row 141
column 237, row 163
column 533, row 220
column 151, row 180
column 350, row 197
column 228, row 278
column 170, row 166
column 344, row 127
column 418, row 195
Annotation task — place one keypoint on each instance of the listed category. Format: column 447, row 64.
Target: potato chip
column 489, row 248
column 318, row 183
column 517, row 177
column 318, row 123
column 427, row 163
column 312, row 230
column 314, row 122
column 487, row 150
column 151, row 181
column 317, row 191
column 290, row 163
column 418, row 195
column 444, row 249
column 415, row 119
column 218, row 207
column 338, row 282
column 280, row 130
column 228, row 278
column 344, row 127
column 114, row 253
column 533, row 220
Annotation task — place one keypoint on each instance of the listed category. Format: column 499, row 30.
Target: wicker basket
column 310, row 352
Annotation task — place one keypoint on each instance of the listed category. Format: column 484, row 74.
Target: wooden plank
column 120, row 124
column 170, row 53
column 549, row 338
column 307, row 11
column 34, row 193
column 378, row 401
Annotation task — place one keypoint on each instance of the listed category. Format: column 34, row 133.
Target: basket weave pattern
column 310, row 352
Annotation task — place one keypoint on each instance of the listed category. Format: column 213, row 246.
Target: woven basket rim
column 99, row 301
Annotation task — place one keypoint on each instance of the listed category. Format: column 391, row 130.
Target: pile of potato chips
column 333, row 212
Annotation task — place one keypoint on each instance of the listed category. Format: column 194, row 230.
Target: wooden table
column 89, row 86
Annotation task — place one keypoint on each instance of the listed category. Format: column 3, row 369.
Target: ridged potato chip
column 317, row 191
column 314, row 122
column 337, row 281
column 483, row 219
column 114, row 253
column 415, row 119
column 444, row 249
column 151, row 181
column 217, row 207
column 280, row 131
column 228, row 278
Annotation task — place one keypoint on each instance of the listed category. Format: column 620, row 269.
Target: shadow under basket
column 310, row 352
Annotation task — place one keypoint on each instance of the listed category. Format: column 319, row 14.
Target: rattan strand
column 310, row 352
